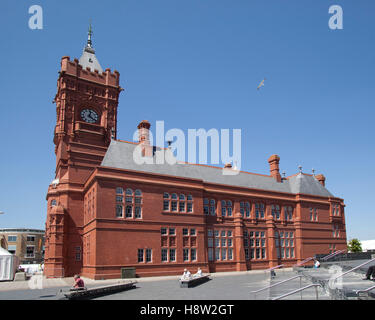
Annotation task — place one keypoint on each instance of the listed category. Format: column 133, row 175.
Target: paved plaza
column 222, row 286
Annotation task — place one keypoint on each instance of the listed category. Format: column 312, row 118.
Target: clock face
column 89, row 115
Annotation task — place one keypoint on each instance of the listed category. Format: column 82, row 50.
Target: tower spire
column 89, row 42
column 88, row 47
column 88, row 58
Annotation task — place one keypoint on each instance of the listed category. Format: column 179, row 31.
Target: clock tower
column 86, row 121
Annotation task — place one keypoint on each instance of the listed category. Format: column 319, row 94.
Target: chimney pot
column 144, row 138
column 322, row 179
column 274, row 167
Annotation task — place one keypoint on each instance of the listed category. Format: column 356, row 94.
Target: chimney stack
column 274, row 167
column 322, row 179
column 144, row 138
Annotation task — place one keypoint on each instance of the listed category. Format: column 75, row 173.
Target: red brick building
column 105, row 212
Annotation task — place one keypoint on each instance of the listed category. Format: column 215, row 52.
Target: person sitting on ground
column 199, row 273
column 78, row 283
column 370, row 272
column 186, row 275
column 316, row 264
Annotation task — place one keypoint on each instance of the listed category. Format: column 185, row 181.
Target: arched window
column 259, row 211
column 182, row 203
column 229, row 208
column 177, row 203
column 212, row 207
column 166, row 201
column 189, row 203
column 288, row 213
column 223, row 208
column 53, row 203
column 131, row 204
column 226, row 208
column 174, row 202
column 245, row 209
column 206, row 207
column 138, row 196
column 275, row 210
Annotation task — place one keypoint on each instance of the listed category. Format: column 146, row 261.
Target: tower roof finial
column 89, row 47
column 89, row 42
column 88, row 58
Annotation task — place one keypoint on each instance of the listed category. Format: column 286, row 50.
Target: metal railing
column 316, row 285
column 272, row 272
column 303, row 262
column 279, row 266
column 353, row 269
column 331, row 255
column 276, row 284
column 365, row 290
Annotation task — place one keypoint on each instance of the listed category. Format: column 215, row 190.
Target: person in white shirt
column 186, row 275
column 199, row 273
column 316, row 264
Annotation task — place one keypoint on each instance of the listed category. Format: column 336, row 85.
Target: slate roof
column 120, row 155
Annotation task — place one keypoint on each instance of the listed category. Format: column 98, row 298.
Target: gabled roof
column 120, row 155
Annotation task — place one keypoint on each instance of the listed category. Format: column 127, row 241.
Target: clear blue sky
column 196, row 64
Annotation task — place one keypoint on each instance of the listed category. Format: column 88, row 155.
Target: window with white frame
column 186, row 254
column 212, row 207
column 177, row 203
column 172, row 255
column 206, row 207
column 256, row 243
column 275, row 211
column 131, row 201
column 148, row 255
column 12, row 238
column 313, row 214
column 245, row 209
column 164, row 255
column 30, row 251
column 335, row 210
column 259, row 210
column 285, row 244
column 140, row 255
column 288, row 213
column 226, row 208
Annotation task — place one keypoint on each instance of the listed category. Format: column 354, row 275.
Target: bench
column 84, row 293
column 193, row 281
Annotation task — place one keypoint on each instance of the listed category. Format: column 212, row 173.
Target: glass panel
column 119, row 190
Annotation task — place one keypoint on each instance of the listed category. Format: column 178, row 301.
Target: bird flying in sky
column 261, row 84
